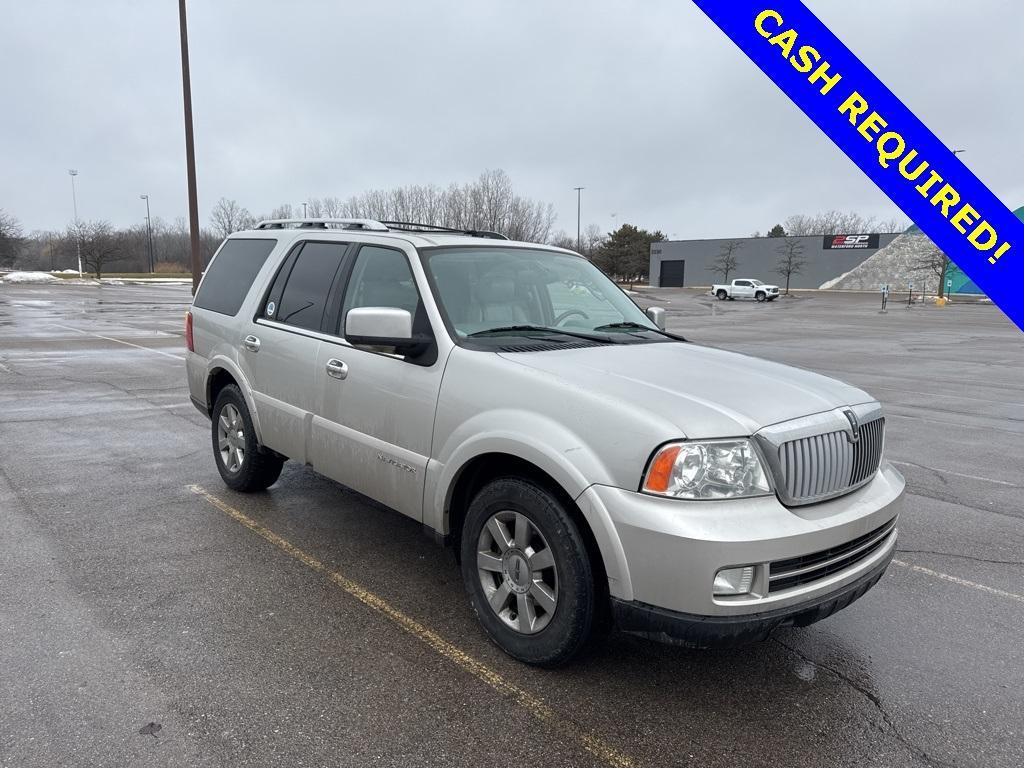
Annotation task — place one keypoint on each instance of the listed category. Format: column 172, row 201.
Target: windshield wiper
column 512, row 330
column 631, row 326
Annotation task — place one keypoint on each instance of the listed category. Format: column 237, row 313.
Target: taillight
column 189, row 344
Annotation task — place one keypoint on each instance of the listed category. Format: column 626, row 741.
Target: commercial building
column 676, row 263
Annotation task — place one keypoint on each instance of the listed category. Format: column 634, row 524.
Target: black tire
column 760, row 295
column 722, row 295
column 576, row 614
column 259, row 469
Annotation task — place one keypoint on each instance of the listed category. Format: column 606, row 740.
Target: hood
column 703, row 392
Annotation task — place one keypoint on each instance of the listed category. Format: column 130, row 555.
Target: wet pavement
column 310, row 627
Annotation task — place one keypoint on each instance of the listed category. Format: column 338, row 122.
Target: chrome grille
column 821, row 466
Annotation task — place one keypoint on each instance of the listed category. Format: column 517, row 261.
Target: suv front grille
column 822, row 466
column 786, row 574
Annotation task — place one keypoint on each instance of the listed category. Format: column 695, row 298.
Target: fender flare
column 222, row 362
column 562, row 455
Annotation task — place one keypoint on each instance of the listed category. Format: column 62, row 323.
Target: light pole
column 149, row 234
column 190, row 151
column 304, row 209
column 78, row 234
column 579, row 207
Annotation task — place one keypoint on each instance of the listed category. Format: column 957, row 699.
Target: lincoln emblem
column 854, row 425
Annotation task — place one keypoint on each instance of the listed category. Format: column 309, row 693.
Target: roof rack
column 372, row 225
column 367, row 224
column 412, row 226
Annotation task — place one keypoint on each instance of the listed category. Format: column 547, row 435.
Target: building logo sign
column 850, row 242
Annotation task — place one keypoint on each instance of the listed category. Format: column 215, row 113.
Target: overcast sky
column 643, row 102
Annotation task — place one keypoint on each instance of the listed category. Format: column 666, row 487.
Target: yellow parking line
column 560, row 723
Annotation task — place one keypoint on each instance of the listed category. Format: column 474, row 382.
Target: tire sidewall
column 231, row 395
column 572, row 623
column 760, row 296
column 722, row 295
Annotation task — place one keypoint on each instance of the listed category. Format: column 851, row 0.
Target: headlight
column 719, row 469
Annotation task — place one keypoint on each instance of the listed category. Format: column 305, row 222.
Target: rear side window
column 308, row 285
column 229, row 278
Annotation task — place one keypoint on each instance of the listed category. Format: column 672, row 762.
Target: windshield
column 756, row 282
column 495, row 291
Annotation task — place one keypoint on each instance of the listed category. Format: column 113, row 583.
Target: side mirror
column 379, row 327
column 657, row 316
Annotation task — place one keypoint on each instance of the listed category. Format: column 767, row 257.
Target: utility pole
column 149, row 233
column 304, row 210
column 579, row 208
column 78, row 232
column 190, row 152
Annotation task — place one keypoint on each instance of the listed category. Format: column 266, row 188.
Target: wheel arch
column 221, row 372
column 481, row 469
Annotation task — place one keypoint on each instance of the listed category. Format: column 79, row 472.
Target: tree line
column 490, row 202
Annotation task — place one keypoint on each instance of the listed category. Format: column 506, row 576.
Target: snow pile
column 828, row 284
column 898, row 264
column 29, row 277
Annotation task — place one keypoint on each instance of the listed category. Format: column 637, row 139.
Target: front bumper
column 730, row 631
column 662, row 554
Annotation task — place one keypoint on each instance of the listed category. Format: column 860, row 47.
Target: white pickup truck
column 746, row 288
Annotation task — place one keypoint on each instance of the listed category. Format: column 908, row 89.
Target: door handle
column 337, row 369
column 251, row 343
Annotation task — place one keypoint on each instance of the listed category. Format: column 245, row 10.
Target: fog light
column 734, row 581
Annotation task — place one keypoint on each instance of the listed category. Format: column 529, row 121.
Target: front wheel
column 760, row 296
column 243, row 464
column 528, row 574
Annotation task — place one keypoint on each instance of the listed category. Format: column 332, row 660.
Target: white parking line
column 958, row 580
column 957, row 474
column 118, row 341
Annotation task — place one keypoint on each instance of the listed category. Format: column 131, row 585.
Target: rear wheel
column 527, row 571
column 243, row 464
column 722, row 295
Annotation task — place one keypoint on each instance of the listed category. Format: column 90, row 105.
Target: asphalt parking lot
column 309, row 627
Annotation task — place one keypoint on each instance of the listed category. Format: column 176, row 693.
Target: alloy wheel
column 517, row 572
column 231, row 438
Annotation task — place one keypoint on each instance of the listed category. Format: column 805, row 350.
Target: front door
column 281, row 352
column 375, row 420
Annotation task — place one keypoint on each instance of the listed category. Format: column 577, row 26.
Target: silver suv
column 587, row 466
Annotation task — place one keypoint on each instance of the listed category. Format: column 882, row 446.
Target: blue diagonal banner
column 884, row 138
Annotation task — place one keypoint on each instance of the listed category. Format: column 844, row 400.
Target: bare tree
column 792, row 261
column 726, row 262
column 591, row 239
column 101, row 245
column 838, row 223
column 934, row 263
column 11, row 239
column 489, row 203
column 228, row 216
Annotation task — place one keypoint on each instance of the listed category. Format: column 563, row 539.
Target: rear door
column 375, row 420
column 280, row 354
